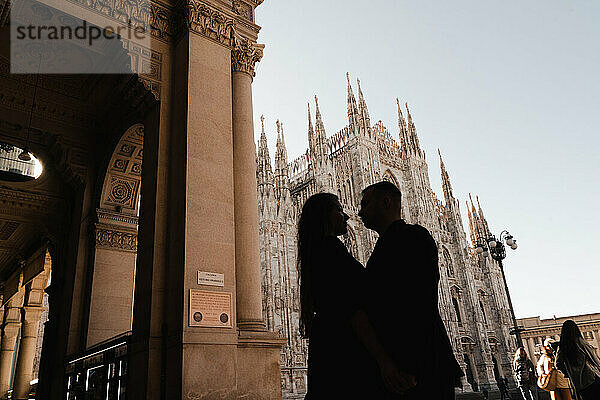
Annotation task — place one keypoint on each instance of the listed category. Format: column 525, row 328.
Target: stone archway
column 23, row 314
column 115, row 234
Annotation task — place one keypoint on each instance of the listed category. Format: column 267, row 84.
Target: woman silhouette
column 525, row 374
column 577, row 359
column 343, row 353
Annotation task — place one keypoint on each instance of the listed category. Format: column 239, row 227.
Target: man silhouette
column 402, row 297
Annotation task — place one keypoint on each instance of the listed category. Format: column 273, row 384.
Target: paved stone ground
column 515, row 394
column 495, row 395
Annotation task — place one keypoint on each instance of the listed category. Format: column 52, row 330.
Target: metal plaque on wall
column 210, row 309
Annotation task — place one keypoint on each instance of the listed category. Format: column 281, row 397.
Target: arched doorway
column 469, row 373
column 24, row 309
column 496, row 369
column 115, row 234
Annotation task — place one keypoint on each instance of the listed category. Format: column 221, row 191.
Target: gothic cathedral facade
column 472, row 298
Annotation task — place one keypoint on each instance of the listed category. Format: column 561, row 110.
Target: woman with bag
column 551, row 379
column 578, row 360
column 525, row 375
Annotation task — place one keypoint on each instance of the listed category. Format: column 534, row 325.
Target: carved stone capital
column 245, row 54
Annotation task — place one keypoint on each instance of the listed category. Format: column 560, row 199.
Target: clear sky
column 508, row 91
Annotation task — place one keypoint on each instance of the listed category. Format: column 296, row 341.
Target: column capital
column 32, row 313
column 219, row 22
column 245, row 54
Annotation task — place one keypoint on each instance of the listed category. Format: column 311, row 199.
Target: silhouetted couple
column 374, row 332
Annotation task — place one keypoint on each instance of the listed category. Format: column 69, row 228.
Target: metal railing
column 100, row 372
column 10, row 164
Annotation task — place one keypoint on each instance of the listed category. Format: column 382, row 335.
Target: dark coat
column 403, row 306
column 337, row 360
column 524, row 372
column 583, row 368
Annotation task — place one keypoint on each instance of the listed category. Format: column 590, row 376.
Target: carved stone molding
column 20, row 202
column 165, row 23
column 15, row 96
column 245, row 54
column 116, row 239
column 106, row 215
column 209, row 22
column 153, row 17
column 242, row 9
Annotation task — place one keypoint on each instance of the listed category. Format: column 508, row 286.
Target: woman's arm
column 394, row 379
column 532, row 368
column 540, row 365
column 560, row 364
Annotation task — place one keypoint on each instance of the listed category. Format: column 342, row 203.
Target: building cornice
column 106, row 215
column 555, row 329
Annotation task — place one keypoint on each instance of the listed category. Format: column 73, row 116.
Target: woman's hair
column 547, row 348
column 570, row 336
column 520, row 354
column 313, row 226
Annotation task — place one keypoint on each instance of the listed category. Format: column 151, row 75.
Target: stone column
column 531, row 348
column 247, row 257
column 597, row 337
column 10, row 332
column 29, row 330
column 258, row 351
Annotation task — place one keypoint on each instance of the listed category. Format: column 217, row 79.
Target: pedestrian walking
column 525, row 375
column 503, row 388
column 578, row 360
column 558, row 385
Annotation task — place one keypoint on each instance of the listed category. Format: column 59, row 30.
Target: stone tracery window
column 389, row 177
column 482, row 312
column 351, row 243
column 447, row 260
column 456, row 310
column 481, row 294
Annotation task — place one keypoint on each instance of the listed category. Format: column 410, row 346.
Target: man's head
column 380, row 205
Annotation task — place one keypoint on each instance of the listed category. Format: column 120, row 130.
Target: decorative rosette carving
column 245, row 54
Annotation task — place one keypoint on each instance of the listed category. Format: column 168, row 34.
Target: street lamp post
column 495, row 248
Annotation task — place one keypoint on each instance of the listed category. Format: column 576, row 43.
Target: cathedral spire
column 311, row 132
column 282, row 181
column 363, row 111
column 352, row 108
column 319, row 127
column 280, row 139
column 264, row 172
column 402, row 128
column 472, row 229
column 318, row 145
column 484, row 224
column 477, row 224
column 413, row 139
column 446, row 186
column 474, row 223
